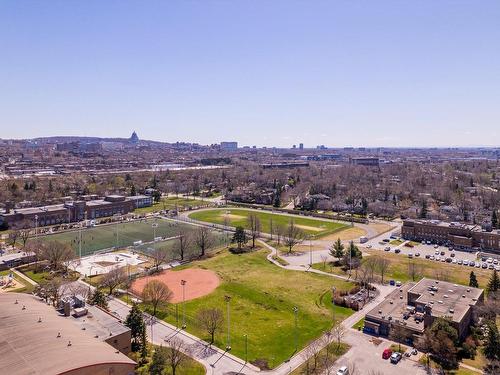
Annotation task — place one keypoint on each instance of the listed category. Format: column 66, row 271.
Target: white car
column 343, row 371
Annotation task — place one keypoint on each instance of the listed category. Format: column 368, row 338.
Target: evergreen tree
column 354, row 250
column 144, row 341
column 492, row 347
column 158, row 362
column 240, row 237
column 98, row 298
column 135, row 322
column 473, row 280
column 493, row 283
column 337, row 249
column 133, row 190
column 494, row 219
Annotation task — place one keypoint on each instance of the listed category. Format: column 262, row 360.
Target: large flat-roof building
column 34, row 340
column 72, row 211
column 459, row 235
column 414, row 306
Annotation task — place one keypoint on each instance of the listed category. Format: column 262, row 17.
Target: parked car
column 396, row 357
column 343, row 371
column 388, row 248
column 417, row 254
column 427, row 256
column 397, row 251
column 386, row 354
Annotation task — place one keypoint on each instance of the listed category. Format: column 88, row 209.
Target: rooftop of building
column 28, row 346
column 442, row 224
column 100, row 324
column 394, row 307
column 445, row 298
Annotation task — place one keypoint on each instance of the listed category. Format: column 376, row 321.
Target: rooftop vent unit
column 440, row 302
column 452, row 311
column 445, row 296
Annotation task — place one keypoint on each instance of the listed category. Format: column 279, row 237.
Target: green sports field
column 262, row 301
column 121, row 234
column 238, row 217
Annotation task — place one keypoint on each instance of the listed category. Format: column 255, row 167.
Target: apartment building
column 460, row 236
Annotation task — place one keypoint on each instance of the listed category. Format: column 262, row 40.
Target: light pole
column 246, row 347
column 183, row 283
column 36, row 226
column 154, row 225
column 296, row 311
column 310, row 252
column 228, row 343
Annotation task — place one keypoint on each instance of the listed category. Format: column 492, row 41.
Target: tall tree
column 157, row 294
column 494, row 219
column 253, row 223
column 159, row 256
column 203, row 239
column 473, row 280
column 174, row 355
column 240, row 237
column 135, row 322
column 211, row 319
column 383, row 265
column 493, row 283
column 337, row 249
column 293, row 236
column 98, row 298
column 423, row 210
column 184, row 241
column 492, row 347
column 113, row 279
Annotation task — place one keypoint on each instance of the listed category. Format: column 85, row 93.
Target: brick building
column 460, row 236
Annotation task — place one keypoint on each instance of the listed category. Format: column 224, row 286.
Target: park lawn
column 360, row 324
column 263, row 297
column 238, row 217
column 105, row 236
column 398, row 270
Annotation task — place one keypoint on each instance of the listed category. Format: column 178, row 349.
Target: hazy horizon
column 339, row 74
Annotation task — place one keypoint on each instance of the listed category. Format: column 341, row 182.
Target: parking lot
column 434, row 253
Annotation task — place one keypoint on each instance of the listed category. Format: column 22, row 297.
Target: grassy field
column 238, row 217
column 172, row 203
column 263, row 297
column 398, row 270
column 105, row 236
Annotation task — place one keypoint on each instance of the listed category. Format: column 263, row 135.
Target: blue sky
column 339, row 73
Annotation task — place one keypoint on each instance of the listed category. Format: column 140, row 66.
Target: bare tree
column 311, row 352
column 414, row 270
column 173, row 354
column 383, row 265
column 113, row 279
column 271, row 227
column 50, row 290
column 56, row 253
column 211, row 319
column 293, row 236
column 13, row 236
column 253, row 223
column 184, row 240
column 157, row 294
column 24, row 233
column 280, row 232
column 338, row 333
column 203, row 239
column 324, row 259
column 159, row 256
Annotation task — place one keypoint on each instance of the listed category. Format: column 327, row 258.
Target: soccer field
column 120, row 234
column 238, row 217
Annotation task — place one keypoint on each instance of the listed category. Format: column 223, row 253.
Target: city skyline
column 265, row 74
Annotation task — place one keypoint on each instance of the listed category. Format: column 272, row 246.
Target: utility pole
column 310, row 252
column 296, row 311
column 228, row 343
column 333, row 304
column 183, row 283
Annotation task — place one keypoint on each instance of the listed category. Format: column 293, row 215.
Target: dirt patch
column 346, row 235
column 198, row 283
column 312, row 229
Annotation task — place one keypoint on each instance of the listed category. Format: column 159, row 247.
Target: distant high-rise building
column 229, row 146
column 134, row 138
column 301, row 146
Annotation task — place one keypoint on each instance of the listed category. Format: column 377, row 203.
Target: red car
column 387, row 353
